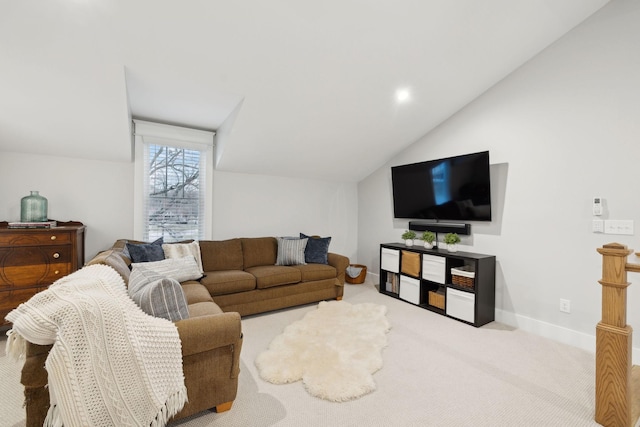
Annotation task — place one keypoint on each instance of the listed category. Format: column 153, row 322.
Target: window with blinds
column 175, row 202
column 174, row 173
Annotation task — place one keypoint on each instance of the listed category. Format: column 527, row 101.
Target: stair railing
column 617, row 380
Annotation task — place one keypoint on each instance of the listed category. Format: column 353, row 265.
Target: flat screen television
column 451, row 189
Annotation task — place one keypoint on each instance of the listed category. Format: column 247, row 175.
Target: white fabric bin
column 433, row 268
column 410, row 289
column 390, row 260
column 461, row 305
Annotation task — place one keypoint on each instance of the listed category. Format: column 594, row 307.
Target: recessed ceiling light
column 403, row 95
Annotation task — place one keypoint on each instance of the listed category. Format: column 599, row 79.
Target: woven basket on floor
column 359, row 278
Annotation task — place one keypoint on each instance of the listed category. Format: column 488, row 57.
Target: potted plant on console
column 429, row 237
column 452, row 240
column 408, row 237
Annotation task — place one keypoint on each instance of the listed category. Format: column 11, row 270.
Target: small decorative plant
column 451, row 238
column 429, row 236
column 408, row 235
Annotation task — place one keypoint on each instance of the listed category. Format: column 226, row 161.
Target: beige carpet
column 437, row 372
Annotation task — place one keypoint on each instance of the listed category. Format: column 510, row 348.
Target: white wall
column 258, row 205
column 100, row 194
column 561, row 129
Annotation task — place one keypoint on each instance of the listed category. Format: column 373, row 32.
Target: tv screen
column 454, row 188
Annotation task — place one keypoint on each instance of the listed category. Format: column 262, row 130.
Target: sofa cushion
column 268, row 276
column 145, row 252
column 259, row 251
column 204, row 308
column 114, row 259
column 228, row 282
column 179, row 250
column 180, row 269
column 220, row 255
column 291, row 251
column 157, row 295
column 311, row 272
column 317, row 249
column 195, row 292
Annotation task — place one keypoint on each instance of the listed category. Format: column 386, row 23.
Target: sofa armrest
column 203, row 333
column 33, row 371
column 340, row 263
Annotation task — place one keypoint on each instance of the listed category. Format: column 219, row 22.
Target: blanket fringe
column 16, row 346
column 53, row 418
column 172, row 406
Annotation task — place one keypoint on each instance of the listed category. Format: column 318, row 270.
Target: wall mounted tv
column 454, row 188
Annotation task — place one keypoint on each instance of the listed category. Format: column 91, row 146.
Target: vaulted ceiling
column 294, row 88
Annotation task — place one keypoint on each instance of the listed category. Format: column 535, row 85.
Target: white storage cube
column 461, row 305
column 433, row 268
column 410, row 289
column 390, row 260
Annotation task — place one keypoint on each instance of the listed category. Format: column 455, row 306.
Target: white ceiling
column 299, row 88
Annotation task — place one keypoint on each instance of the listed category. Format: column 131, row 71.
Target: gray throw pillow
column 291, row 251
column 157, row 295
column 317, row 249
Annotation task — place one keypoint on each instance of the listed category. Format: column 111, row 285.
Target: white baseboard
column 557, row 333
column 547, row 330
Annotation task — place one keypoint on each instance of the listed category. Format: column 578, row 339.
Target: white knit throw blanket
column 111, row 364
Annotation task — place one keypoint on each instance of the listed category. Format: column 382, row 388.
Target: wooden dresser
column 32, row 259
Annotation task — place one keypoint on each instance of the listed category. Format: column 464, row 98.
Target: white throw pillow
column 180, row 269
column 179, row 250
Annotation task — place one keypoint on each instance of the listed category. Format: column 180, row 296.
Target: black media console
column 460, row 285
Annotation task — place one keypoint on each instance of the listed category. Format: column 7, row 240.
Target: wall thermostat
column 597, row 206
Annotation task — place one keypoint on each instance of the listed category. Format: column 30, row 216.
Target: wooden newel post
column 613, row 342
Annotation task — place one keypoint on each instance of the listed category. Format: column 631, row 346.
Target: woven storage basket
column 463, row 276
column 410, row 263
column 359, row 278
column 436, row 299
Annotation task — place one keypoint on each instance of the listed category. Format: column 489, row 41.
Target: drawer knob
column 56, row 255
column 53, row 237
column 56, row 272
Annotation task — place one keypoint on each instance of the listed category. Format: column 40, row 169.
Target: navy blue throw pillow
column 316, row 250
column 146, row 252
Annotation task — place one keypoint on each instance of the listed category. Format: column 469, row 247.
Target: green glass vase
column 33, row 208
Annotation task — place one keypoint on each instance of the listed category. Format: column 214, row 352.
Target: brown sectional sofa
column 240, row 278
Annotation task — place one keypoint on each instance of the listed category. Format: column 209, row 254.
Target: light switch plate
column 618, row 226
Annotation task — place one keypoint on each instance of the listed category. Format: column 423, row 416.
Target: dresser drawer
column 32, row 259
column 39, row 275
column 33, row 265
column 35, row 238
column 11, row 299
column 29, row 255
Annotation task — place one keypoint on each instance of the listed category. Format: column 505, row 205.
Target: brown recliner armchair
column 211, row 345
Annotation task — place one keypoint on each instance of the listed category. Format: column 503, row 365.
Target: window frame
column 145, row 132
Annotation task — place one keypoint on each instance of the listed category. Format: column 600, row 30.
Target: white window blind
column 173, row 168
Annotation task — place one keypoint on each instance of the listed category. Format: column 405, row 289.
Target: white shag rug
column 334, row 350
